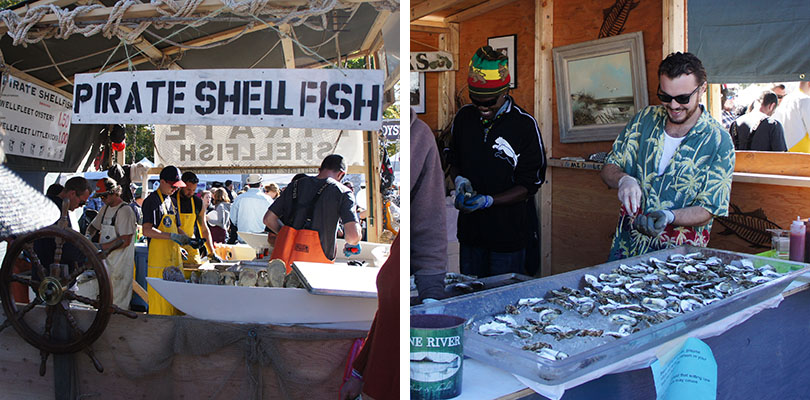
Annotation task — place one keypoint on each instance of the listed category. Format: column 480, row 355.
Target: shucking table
column 762, row 355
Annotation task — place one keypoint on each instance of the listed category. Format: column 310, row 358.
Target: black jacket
column 510, row 154
column 756, row 131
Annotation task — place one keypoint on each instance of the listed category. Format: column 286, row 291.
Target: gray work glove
column 180, row 239
column 654, row 223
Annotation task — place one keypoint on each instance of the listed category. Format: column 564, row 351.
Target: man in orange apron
column 307, row 213
column 192, row 216
column 162, row 226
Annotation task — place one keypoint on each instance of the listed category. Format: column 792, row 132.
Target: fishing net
column 224, row 360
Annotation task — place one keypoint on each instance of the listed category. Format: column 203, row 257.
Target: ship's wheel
column 52, row 286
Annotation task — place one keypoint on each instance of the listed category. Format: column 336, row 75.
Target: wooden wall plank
column 544, row 28
column 765, row 162
column 515, row 18
column 584, row 218
column 582, row 23
column 428, row 41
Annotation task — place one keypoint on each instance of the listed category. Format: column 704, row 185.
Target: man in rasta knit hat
column 498, row 161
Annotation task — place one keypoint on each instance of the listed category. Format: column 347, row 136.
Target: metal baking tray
column 507, row 356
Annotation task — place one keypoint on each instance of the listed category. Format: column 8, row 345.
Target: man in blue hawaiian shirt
column 672, row 165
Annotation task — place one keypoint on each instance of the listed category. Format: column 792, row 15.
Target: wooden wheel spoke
column 86, row 300
column 30, row 306
column 48, row 323
column 96, row 363
column 44, row 357
column 77, row 270
column 71, row 321
column 36, row 264
column 57, row 255
column 5, row 324
column 95, row 303
column 27, row 281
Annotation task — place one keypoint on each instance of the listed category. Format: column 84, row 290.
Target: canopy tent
column 49, row 47
column 47, row 42
column 751, row 41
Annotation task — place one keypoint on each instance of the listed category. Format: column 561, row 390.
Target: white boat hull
column 263, row 305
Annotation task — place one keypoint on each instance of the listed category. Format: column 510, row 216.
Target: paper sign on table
column 690, row 374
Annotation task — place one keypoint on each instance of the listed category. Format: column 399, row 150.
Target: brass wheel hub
column 50, row 290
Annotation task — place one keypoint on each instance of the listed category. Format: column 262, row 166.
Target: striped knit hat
column 489, row 72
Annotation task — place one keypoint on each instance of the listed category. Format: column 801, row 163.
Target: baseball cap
column 171, row 174
column 105, row 186
column 253, row 179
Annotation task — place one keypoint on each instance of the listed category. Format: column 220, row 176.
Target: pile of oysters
column 273, row 275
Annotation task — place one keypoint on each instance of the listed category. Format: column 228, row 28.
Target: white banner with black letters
column 34, row 121
column 290, row 98
column 188, row 146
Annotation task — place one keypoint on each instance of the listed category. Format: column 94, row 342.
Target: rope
column 29, row 70
column 265, row 54
column 5, row 71
column 171, row 11
column 59, row 70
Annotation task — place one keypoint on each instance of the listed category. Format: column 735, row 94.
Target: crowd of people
column 775, row 121
column 183, row 220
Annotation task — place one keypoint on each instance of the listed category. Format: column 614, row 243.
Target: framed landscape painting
column 600, row 85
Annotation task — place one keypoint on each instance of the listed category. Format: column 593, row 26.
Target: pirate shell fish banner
column 282, row 98
column 189, row 146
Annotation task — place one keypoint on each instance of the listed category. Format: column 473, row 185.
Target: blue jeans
column 483, row 262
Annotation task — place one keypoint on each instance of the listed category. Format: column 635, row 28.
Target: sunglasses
column 779, row 97
column 487, row 103
column 681, row 98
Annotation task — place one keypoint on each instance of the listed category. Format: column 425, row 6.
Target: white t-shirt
column 670, row 146
column 794, row 115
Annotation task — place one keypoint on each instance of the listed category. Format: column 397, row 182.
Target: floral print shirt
column 699, row 175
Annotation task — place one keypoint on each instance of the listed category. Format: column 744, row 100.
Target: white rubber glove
column 630, row 194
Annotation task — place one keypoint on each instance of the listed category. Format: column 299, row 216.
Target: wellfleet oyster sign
column 34, row 121
column 289, row 98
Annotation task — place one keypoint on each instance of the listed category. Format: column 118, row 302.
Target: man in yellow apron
column 192, row 216
column 162, row 226
column 116, row 219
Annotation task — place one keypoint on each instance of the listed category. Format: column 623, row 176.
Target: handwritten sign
column 288, row 98
column 432, row 61
column 691, row 373
column 34, row 121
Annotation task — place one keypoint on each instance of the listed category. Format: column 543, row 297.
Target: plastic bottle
column 806, row 241
column 797, row 235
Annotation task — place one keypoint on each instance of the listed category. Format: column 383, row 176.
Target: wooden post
column 447, row 80
column 374, row 227
column 674, row 26
column 715, row 108
column 544, row 33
